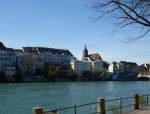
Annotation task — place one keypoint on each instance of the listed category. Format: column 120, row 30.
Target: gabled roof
column 95, row 57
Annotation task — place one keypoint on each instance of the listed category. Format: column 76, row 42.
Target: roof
column 49, row 50
column 30, row 49
column 95, row 57
column 2, row 46
column 146, row 65
column 128, row 63
column 18, row 50
column 10, row 49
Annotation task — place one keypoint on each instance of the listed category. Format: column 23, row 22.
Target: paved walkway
column 141, row 111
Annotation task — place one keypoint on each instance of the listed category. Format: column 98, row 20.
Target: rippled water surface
column 20, row 98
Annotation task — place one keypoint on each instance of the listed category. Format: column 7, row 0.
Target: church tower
column 85, row 54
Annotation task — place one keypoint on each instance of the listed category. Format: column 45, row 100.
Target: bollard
column 136, row 101
column 101, row 106
column 37, row 110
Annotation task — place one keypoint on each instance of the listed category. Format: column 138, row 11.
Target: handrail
column 123, row 103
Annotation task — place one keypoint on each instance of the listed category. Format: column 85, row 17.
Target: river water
column 20, row 98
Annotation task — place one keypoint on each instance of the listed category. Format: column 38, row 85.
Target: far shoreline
column 75, row 81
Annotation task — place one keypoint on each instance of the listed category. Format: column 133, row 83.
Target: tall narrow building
column 85, row 54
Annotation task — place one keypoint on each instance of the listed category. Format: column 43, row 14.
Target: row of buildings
column 31, row 56
column 128, row 70
column 35, row 57
column 38, row 56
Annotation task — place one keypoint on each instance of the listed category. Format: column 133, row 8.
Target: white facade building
column 79, row 66
column 50, row 55
column 89, row 62
column 97, row 65
column 34, row 57
column 114, row 69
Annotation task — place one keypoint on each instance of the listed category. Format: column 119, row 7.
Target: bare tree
column 127, row 12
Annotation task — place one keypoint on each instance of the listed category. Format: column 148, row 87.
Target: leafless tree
column 127, row 12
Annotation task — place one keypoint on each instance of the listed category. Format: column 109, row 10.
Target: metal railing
column 76, row 109
column 105, row 106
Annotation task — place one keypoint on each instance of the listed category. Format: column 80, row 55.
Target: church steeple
column 85, row 53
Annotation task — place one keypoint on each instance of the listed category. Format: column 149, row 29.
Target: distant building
column 128, row 67
column 89, row 62
column 10, row 70
column 7, row 58
column 114, row 69
column 79, row 66
column 97, row 66
column 31, row 56
column 124, row 70
column 50, row 55
column 144, row 69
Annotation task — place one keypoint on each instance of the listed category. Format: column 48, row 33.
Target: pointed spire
column 85, row 48
column 85, row 53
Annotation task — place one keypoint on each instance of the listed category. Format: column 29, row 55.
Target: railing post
column 147, row 99
column 136, row 101
column 37, row 110
column 101, row 106
column 121, row 105
column 75, row 109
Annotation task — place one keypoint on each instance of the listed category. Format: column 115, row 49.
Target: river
column 19, row 98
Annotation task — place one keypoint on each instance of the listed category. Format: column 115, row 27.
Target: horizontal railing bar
column 60, row 109
column 87, row 104
column 122, row 98
column 144, row 95
column 73, row 106
column 124, row 106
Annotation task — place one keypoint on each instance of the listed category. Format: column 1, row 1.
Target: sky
column 68, row 24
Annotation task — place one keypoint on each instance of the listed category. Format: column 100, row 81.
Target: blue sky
column 67, row 24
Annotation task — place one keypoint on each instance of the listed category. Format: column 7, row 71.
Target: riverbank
column 76, row 80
